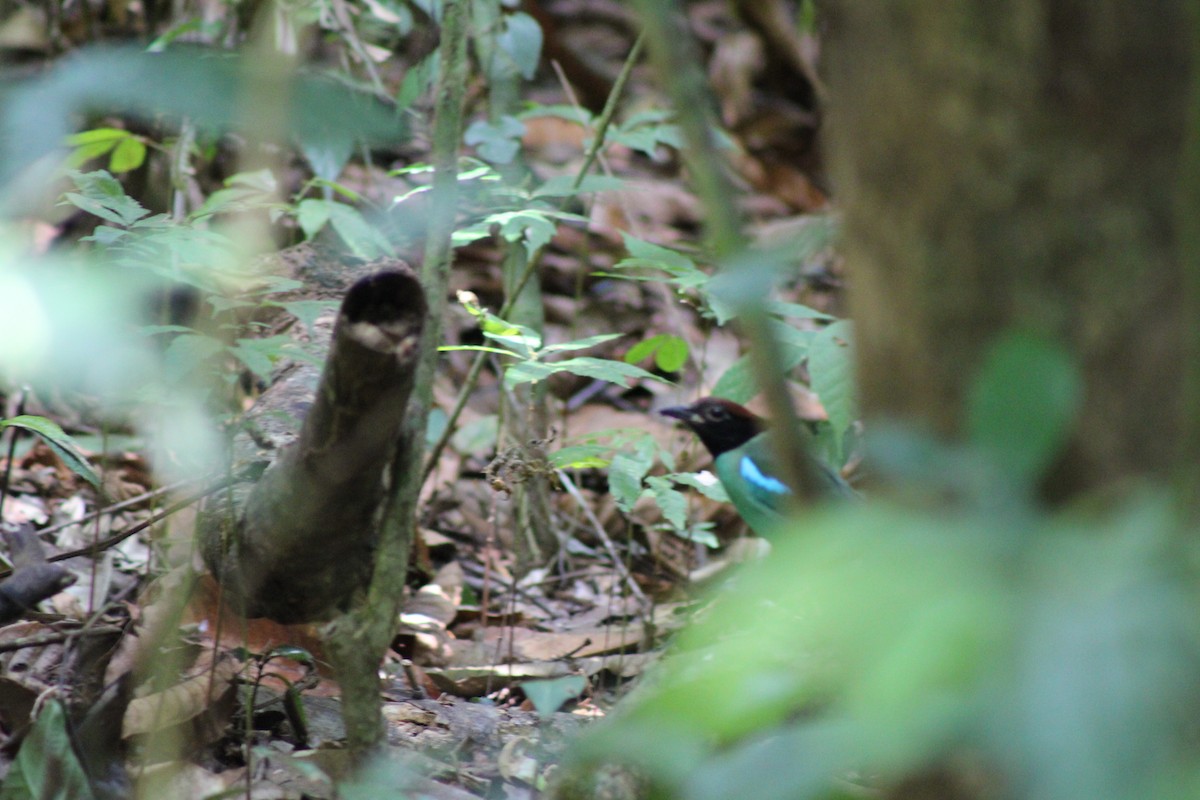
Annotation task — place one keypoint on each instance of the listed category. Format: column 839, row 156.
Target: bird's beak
column 682, row 413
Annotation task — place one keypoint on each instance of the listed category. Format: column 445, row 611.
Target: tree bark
column 299, row 546
column 1016, row 165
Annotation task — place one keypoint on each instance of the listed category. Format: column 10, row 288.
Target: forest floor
column 480, row 648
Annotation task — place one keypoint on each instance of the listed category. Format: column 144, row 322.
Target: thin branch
column 57, row 638
column 603, row 536
column 154, row 519
column 121, row 506
column 602, row 125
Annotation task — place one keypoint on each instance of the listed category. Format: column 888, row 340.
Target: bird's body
column 745, row 461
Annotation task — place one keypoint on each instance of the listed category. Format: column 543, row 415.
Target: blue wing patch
column 755, row 477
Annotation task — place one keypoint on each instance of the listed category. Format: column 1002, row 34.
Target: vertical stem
column 1188, row 219
column 358, row 640
column 674, row 54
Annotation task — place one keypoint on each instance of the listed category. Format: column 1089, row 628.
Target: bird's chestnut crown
column 722, row 425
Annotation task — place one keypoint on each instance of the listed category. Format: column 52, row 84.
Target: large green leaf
column 58, row 441
column 47, row 767
column 212, row 89
column 1023, row 403
column 598, row 368
column 831, row 372
column 548, row 696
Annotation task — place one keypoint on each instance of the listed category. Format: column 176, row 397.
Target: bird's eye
column 717, row 413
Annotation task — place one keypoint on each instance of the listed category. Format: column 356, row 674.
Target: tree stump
column 297, row 545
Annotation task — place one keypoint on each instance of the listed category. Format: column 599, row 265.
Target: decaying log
column 297, row 545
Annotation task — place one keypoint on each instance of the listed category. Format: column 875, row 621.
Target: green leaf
column 328, row 159
column 581, row 456
column 242, row 192
column 497, row 143
column 208, row 87
column 596, row 368
column 643, row 349
column 582, row 344
column 831, row 372
column 311, row 216
column 477, row 436
column 46, row 766
column 255, row 359
column 127, row 155
column 1022, row 404
column 306, row 311
column 548, row 696
column 93, row 144
column 290, row 651
column 669, row 499
column 477, row 348
column 524, row 343
column 187, row 352
column 109, row 136
column 648, row 254
column 672, row 354
column 102, row 194
column 85, row 153
column 521, row 39
column 625, row 474
column 363, row 238
column 737, row 383
column 645, row 132
column 707, row 484
column 533, row 228
column 797, row 311
column 58, row 441
column 417, row 80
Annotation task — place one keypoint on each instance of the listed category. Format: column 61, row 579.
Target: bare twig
column 57, row 638
column 121, row 506
column 12, row 451
column 603, row 536
column 125, row 533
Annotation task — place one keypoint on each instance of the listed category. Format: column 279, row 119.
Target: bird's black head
column 722, row 425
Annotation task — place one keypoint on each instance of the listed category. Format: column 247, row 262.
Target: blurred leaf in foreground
column 206, row 87
column 1058, row 651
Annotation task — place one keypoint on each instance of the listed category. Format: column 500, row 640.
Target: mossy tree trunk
column 1018, row 165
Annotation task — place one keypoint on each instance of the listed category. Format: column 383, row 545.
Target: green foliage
column 207, row 87
column 528, row 353
column 878, row 639
column 643, row 131
column 47, row 766
column 1022, row 404
column 58, row 441
column 363, row 239
column 125, row 151
column 519, row 40
column 496, row 143
column 548, row 696
column 825, row 350
column 670, row 352
column 831, row 371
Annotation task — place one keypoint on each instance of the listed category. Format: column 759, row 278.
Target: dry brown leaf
column 185, row 700
column 183, row 779
column 527, row 645
column 478, row 680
